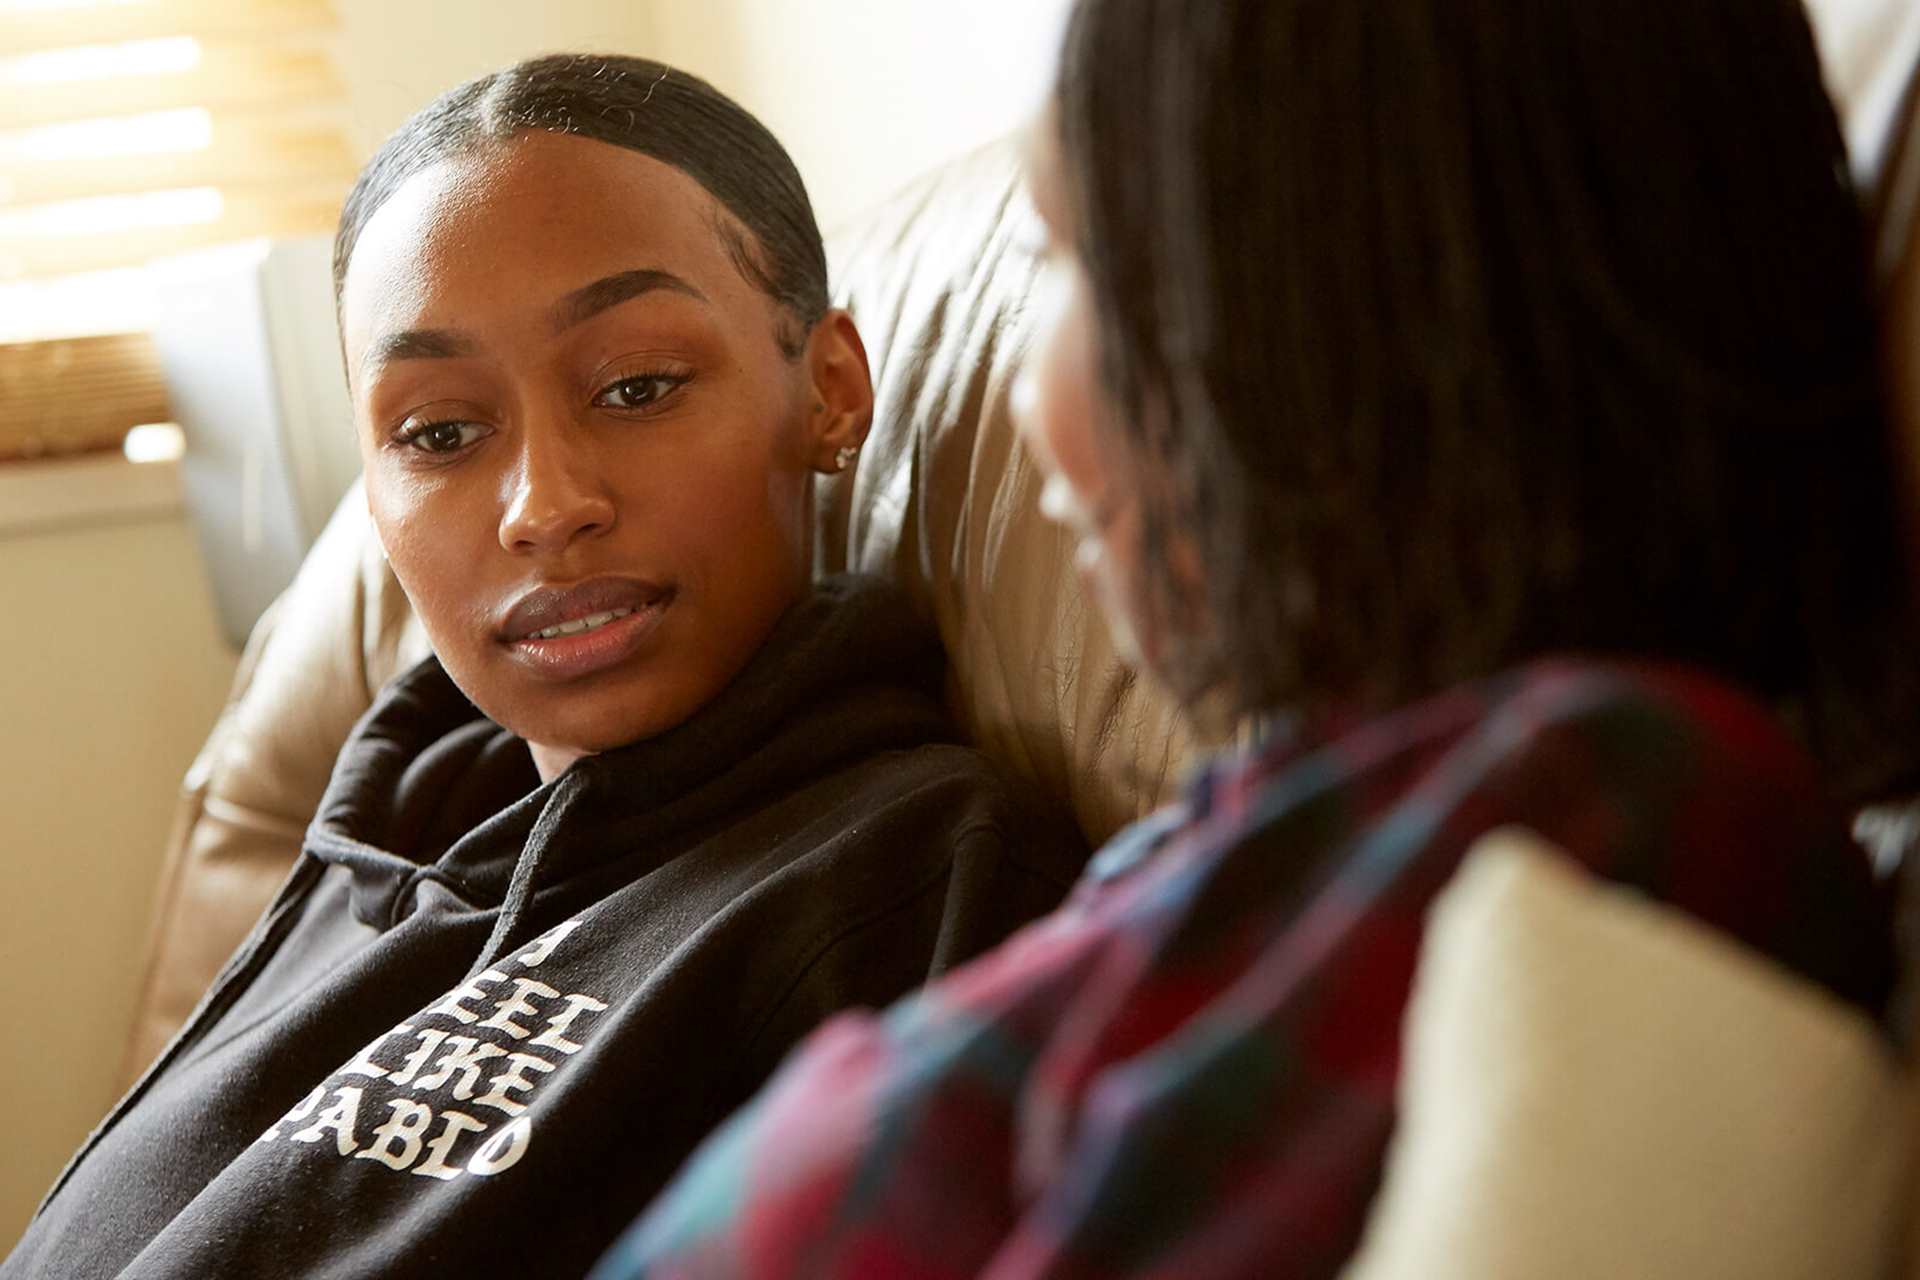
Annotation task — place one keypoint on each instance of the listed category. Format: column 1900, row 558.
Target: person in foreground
column 657, row 807
column 1485, row 394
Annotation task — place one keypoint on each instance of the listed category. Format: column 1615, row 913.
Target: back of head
column 1498, row 328
column 640, row 105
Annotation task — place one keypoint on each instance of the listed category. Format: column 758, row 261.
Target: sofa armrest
column 310, row 669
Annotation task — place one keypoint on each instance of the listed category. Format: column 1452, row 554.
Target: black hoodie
column 486, row 1018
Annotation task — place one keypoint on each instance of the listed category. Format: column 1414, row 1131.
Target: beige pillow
column 1597, row 1086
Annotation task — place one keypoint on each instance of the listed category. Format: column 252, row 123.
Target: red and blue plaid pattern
column 1189, row 1069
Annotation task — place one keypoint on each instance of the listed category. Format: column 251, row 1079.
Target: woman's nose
column 556, row 496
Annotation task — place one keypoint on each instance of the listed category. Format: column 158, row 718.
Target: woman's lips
column 550, row 606
column 567, row 632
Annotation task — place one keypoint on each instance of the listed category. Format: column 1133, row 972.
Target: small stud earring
column 843, row 457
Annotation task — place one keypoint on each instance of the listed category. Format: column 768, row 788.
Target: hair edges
column 797, row 316
column 687, row 124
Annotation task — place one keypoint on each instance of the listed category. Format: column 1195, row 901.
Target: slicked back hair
column 1457, row 331
column 643, row 106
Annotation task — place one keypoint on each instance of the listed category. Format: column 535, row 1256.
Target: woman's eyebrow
column 418, row 344
column 575, row 308
column 590, row 300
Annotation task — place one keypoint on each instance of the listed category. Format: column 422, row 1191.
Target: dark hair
column 1453, row 333
column 643, row 106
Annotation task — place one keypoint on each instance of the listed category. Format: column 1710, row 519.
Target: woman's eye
column 636, row 393
column 442, row 437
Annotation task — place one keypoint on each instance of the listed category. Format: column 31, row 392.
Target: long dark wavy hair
column 1458, row 331
column 643, row 106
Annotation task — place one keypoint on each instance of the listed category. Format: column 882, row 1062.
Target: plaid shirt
column 1188, row 1070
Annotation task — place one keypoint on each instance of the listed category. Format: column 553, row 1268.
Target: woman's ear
column 841, row 411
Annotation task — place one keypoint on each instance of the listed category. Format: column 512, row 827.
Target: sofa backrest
column 945, row 500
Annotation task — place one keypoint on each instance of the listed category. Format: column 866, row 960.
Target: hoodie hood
column 428, row 789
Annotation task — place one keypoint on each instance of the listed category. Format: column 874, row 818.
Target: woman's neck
column 551, row 762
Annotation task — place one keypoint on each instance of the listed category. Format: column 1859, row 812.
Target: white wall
column 398, row 55
column 867, row 94
column 111, row 673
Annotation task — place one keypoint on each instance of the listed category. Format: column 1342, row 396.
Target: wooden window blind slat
column 136, row 129
column 269, row 210
column 77, row 394
column 240, row 151
column 31, row 30
column 228, row 75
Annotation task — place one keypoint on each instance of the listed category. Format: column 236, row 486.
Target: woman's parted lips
column 545, row 607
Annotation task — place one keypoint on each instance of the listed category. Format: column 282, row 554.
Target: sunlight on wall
column 868, row 94
column 397, row 57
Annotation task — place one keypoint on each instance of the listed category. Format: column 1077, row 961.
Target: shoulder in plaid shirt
column 1188, row 1070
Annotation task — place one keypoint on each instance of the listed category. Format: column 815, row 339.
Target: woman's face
column 1065, row 417
column 587, row 455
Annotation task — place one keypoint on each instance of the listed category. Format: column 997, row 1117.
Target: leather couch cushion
column 311, row 667
column 945, row 500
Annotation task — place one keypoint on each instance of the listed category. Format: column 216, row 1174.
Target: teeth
column 578, row 625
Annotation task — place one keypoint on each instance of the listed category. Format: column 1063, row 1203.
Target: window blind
column 75, row 395
column 131, row 129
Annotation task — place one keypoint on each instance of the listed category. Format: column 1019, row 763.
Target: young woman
column 657, row 806
column 1490, row 386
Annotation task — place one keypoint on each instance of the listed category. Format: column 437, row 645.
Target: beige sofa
column 1594, row 1087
